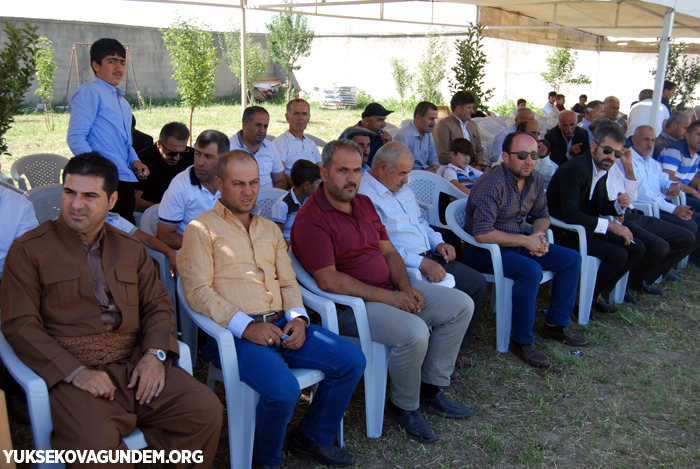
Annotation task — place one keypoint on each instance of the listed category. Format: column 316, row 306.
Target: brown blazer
column 450, row 128
column 47, row 290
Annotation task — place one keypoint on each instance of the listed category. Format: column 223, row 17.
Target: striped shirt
column 677, row 158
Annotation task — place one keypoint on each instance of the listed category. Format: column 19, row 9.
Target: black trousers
column 691, row 225
column 126, row 200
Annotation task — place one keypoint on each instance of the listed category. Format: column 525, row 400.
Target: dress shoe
column 651, row 290
column 464, row 360
column 564, row 334
column 331, row 456
column 454, row 375
column 673, row 276
column 602, row 306
column 530, row 355
column 444, row 407
column 630, row 298
column 412, row 422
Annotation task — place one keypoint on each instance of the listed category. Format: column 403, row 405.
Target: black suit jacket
column 558, row 142
column 568, row 194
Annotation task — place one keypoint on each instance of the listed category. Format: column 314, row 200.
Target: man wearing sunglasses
column 499, row 204
column 165, row 159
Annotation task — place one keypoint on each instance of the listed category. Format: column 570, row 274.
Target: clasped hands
column 537, row 244
column 260, row 333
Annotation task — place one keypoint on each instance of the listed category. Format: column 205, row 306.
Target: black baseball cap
column 375, row 109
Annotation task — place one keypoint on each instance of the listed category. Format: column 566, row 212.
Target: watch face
column 160, row 355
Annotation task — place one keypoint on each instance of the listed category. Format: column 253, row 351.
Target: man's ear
column 113, row 199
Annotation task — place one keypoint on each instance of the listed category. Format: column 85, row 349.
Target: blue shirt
column 585, row 124
column 422, row 148
column 677, row 158
column 100, row 120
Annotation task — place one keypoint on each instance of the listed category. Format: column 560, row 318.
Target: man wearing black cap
column 374, row 119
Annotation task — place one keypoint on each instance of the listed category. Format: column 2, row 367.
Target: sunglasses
column 607, row 150
column 522, row 155
column 173, row 154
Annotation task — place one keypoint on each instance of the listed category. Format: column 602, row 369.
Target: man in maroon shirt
column 340, row 240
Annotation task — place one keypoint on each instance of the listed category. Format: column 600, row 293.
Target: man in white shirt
column 640, row 114
column 521, row 115
column 292, row 145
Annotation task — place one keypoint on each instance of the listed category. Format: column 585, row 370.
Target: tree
column 289, row 38
column 45, row 75
column 684, row 71
column 470, row 68
column 17, row 66
column 256, row 58
column 402, row 78
column 193, row 57
column 560, row 65
column 431, row 69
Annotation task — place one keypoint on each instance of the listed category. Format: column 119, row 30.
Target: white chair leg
column 504, row 314
column 617, row 295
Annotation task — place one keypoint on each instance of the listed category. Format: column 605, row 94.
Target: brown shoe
column 564, row 335
column 464, row 360
column 530, row 355
column 454, row 375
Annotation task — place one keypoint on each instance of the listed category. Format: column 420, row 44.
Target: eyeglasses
column 607, row 150
column 522, row 155
column 173, row 154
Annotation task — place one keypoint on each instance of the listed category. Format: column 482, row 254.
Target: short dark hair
column 461, row 98
column 593, row 105
column 522, row 126
column 214, row 136
column 508, row 142
column 304, row 171
column 175, row 130
column 105, row 47
column 229, row 156
column 94, row 164
column 584, row 97
column 335, row 145
column 646, row 94
column 250, row 111
column 298, row 101
column 559, row 96
column 693, row 125
column 423, row 107
column 521, row 101
column 462, row 145
column 552, row 94
column 609, row 130
column 669, row 85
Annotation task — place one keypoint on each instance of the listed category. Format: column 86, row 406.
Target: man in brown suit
column 83, row 307
column 459, row 124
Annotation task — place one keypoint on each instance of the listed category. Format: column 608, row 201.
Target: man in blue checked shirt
column 100, row 120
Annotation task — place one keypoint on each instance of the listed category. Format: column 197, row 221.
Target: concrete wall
column 353, row 60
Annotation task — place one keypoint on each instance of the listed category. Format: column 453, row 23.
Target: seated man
column 594, row 110
column 521, row 115
column 544, row 164
column 580, row 107
column 567, row 140
column 640, row 113
column 193, row 191
column 550, row 109
column 374, row 120
column 292, row 145
column 418, row 244
column 305, row 179
column 611, row 110
column 166, row 159
column 674, row 132
column 459, row 124
column 363, row 138
column 499, row 203
column 83, row 307
column 252, row 140
column 681, row 163
column 417, row 137
column 235, row 270
column 340, row 240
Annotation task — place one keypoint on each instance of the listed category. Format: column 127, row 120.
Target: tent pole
column 664, row 46
column 244, row 78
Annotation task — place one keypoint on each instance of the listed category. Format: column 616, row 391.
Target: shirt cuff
column 602, row 226
column 297, row 312
column 68, row 379
column 618, row 209
column 238, row 323
column 413, row 260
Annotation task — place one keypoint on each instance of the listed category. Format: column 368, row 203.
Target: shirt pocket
column 127, row 284
column 62, row 285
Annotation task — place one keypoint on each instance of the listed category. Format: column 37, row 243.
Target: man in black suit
column 578, row 194
column 566, row 139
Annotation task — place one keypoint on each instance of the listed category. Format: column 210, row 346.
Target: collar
column 111, row 88
column 291, row 135
column 245, row 148
column 510, row 177
column 596, row 173
column 193, row 178
column 665, row 135
column 414, row 131
column 72, row 234
column 294, row 198
column 323, row 203
column 461, row 122
column 227, row 214
column 378, row 187
column 457, row 168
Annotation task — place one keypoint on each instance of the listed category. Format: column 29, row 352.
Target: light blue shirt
column 16, row 218
column 422, row 149
column 400, row 213
column 100, row 120
column 498, row 139
column 585, row 124
column 267, row 157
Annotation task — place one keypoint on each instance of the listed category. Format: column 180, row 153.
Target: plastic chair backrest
column 41, row 169
column 427, row 188
column 149, row 220
column 46, row 201
column 267, row 198
column 491, row 126
column 318, row 141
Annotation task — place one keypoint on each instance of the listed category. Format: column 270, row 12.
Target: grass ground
column 630, row 400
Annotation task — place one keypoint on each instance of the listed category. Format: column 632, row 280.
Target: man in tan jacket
column 458, row 125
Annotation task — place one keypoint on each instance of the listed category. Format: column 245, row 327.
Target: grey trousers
column 417, row 354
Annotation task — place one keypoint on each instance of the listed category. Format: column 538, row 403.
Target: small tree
column 193, row 57
column 402, row 79
column 45, row 75
column 256, row 58
column 684, row 71
column 560, row 69
column 470, row 68
column 17, row 66
column 431, row 69
column 288, row 40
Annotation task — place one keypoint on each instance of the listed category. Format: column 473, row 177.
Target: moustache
column 350, row 184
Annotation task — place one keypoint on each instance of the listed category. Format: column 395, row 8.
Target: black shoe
column 651, row 290
column 331, row 456
column 444, row 407
column 630, row 298
column 564, row 334
column 530, row 355
column 412, row 422
column 602, row 306
column 673, row 276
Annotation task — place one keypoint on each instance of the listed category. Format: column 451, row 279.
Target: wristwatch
column 159, row 353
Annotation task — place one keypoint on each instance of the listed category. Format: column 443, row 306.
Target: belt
column 269, row 317
column 425, row 254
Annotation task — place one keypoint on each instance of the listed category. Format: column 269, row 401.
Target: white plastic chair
column 241, row 399
column 267, row 198
column 490, row 126
column 318, row 141
column 40, row 169
column 502, row 296
column 149, row 225
column 38, row 399
column 46, row 201
column 405, row 122
column 427, row 188
column 507, row 121
column 377, row 354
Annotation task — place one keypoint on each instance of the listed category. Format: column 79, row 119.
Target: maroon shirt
column 323, row 236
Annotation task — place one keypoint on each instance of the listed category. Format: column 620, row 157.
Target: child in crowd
column 459, row 172
column 305, row 177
